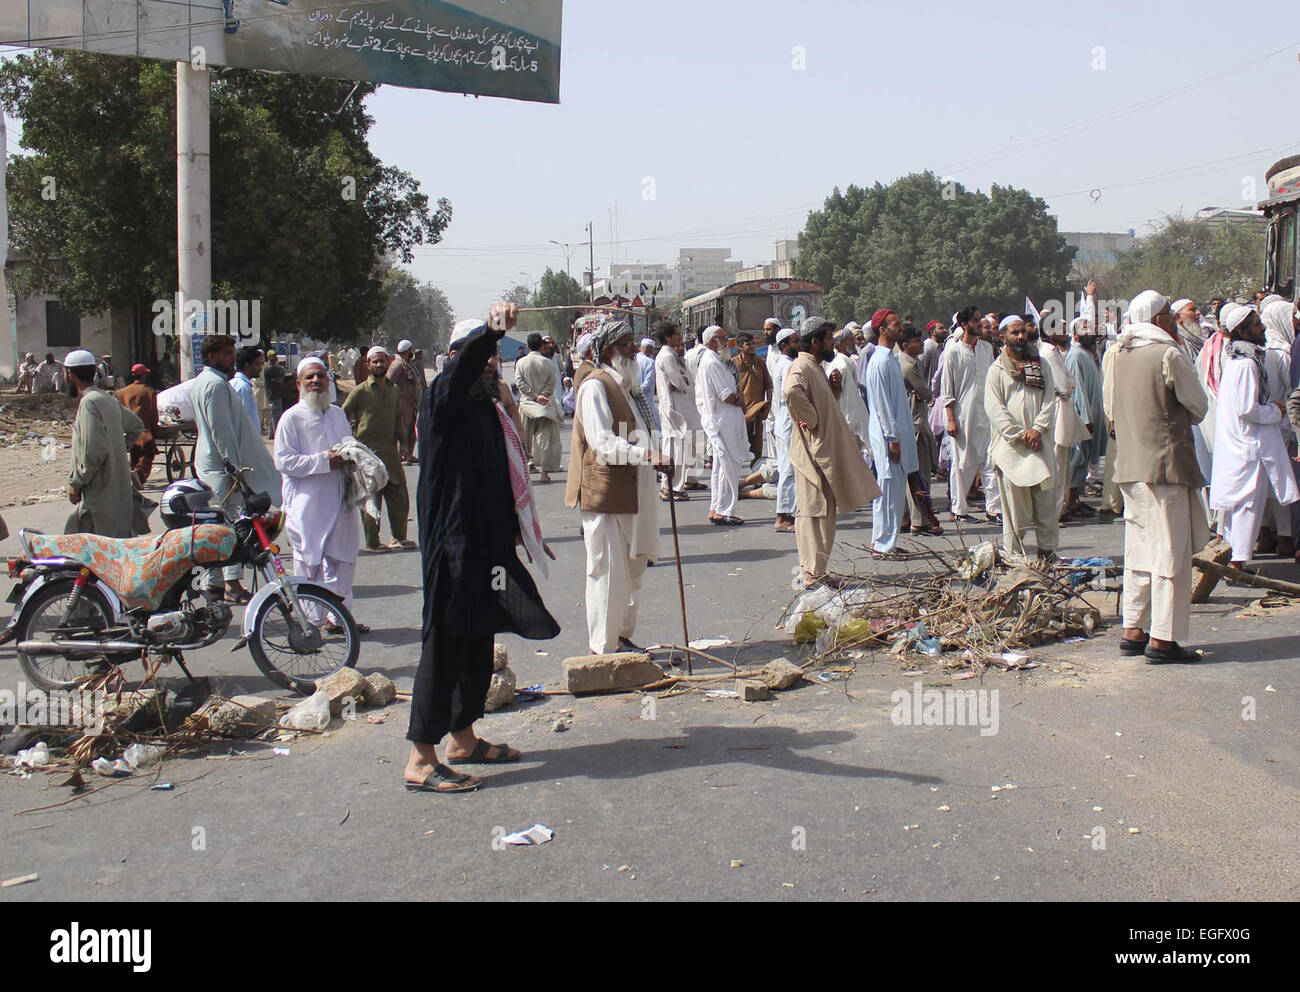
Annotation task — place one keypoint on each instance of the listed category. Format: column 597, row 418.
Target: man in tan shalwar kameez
column 538, row 380
column 830, row 475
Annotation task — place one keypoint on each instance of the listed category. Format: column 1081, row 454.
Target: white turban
column 378, row 349
column 647, row 342
column 1179, row 304
column 404, row 346
column 852, row 325
column 308, row 362
column 585, row 342
column 1145, row 306
column 464, row 328
column 1270, row 298
column 1279, row 328
column 784, row 333
column 1078, row 324
column 1234, row 317
column 1009, row 319
column 711, row 332
column 78, row 359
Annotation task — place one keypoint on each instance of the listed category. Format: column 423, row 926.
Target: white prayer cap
column 466, row 327
column 585, row 342
column 852, row 325
column 1009, row 319
column 1270, row 298
column 308, row 362
column 404, row 345
column 647, row 342
column 1235, row 317
column 1145, row 306
column 772, row 320
column 843, row 334
column 378, row 349
column 710, row 332
column 1179, row 304
column 784, row 333
column 78, row 359
column 1078, row 324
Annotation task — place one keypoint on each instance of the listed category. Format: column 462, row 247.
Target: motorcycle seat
column 139, row 569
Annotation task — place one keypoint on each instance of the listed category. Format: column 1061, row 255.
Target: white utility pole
column 193, row 205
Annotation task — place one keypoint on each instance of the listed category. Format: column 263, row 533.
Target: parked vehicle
column 86, row 602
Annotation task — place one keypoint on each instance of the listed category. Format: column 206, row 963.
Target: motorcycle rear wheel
column 41, row 620
column 287, row 664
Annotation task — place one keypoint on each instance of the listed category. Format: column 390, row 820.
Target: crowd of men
column 1183, row 421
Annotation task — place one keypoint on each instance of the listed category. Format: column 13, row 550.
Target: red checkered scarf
column 521, row 487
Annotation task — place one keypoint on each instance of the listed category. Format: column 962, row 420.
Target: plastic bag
column 143, row 755
column 37, row 754
column 111, row 769
column 853, row 630
column 978, row 560
column 313, row 713
column 808, row 602
column 807, row 628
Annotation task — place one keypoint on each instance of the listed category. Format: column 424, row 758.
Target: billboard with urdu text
column 505, row 48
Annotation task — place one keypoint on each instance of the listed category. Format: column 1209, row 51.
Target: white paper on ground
column 705, row 643
column 536, row 834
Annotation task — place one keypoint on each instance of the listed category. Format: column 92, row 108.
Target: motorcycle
column 86, row 603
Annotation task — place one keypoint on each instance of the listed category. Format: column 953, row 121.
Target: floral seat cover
column 139, row 569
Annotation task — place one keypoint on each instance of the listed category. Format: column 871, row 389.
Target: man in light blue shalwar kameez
column 893, row 443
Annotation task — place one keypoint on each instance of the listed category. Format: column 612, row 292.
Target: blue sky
column 703, row 97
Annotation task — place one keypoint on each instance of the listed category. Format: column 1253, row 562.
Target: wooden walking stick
column 677, row 554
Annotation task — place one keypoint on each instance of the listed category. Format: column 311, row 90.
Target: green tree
column 924, row 247
column 1195, row 259
column 557, row 289
column 303, row 213
column 441, row 315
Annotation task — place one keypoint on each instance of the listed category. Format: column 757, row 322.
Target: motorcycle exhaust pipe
column 41, row 648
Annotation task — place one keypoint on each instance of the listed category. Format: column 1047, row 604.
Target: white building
column 702, row 269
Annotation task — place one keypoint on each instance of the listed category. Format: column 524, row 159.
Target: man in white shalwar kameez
column 1021, row 402
column 1153, row 397
column 612, row 480
column 786, row 348
column 1069, row 429
column 718, row 397
column 679, row 418
column 891, row 436
column 842, row 370
column 324, row 533
column 966, row 362
column 1279, row 334
column 538, row 381
column 1250, row 457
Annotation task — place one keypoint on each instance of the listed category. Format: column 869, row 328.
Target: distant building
column 642, row 279
column 702, row 269
column 1231, row 215
column 1096, row 249
column 781, row 267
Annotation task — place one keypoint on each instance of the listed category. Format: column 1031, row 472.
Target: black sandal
column 447, row 775
column 480, row 756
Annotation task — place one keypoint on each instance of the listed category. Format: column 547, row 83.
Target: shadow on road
column 699, row 747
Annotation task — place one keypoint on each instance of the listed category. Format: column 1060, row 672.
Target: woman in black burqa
column 474, row 582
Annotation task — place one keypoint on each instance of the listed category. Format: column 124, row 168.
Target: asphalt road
column 817, row 793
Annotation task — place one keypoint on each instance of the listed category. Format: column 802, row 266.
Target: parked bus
column 1282, row 275
column 743, row 306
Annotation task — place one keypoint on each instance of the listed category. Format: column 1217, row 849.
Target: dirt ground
column 35, row 447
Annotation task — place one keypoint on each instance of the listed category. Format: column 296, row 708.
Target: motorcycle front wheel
column 296, row 661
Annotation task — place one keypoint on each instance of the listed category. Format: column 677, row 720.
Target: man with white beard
column 325, row 535
column 611, row 479
column 718, row 397
column 1156, row 470
column 965, row 367
column 1250, row 457
column 1190, row 331
column 842, row 370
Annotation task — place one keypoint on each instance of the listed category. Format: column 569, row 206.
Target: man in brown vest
column 612, row 480
column 1153, row 398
